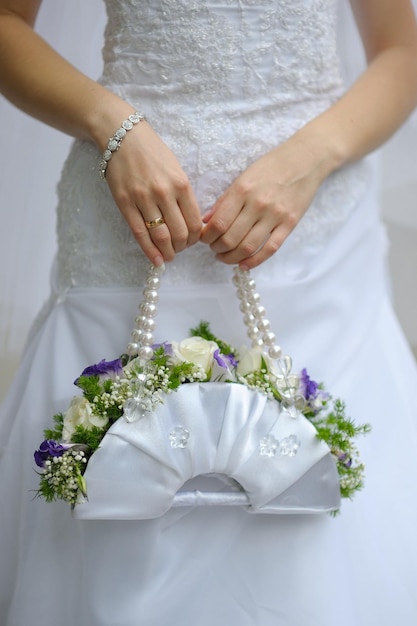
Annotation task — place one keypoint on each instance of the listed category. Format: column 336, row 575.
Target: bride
column 245, row 149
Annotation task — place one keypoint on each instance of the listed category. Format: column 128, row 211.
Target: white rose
column 249, row 361
column 80, row 413
column 196, row 350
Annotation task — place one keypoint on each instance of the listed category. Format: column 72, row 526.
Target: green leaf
column 55, row 433
column 91, row 386
column 90, row 438
column 82, row 485
column 203, row 331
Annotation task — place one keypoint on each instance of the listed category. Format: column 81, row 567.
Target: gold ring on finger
column 158, row 221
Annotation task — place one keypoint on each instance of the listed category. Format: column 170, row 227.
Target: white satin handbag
column 265, row 452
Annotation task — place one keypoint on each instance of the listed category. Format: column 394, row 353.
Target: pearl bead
column 151, row 295
column 155, row 271
column 259, row 311
column 153, row 282
column 140, row 319
column 132, row 348
column 147, row 339
column 274, row 352
column 145, row 353
column 253, row 333
column 148, row 309
column 255, row 298
column 248, row 319
column 148, row 324
column 264, row 325
column 245, row 306
column 136, row 334
column 269, row 339
column 257, row 343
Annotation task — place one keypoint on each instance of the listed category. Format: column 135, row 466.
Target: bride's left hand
column 255, row 215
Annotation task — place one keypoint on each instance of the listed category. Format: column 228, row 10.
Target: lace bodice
column 223, row 82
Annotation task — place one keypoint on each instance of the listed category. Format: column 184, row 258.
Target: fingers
column 181, row 220
column 219, row 220
column 181, row 214
column 155, row 196
column 157, row 252
column 267, row 249
column 245, row 229
column 162, row 232
column 260, row 209
column 190, row 211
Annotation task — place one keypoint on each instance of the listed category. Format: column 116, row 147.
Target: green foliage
column 46, row 490
column 203, row 331
column 55, row 433
column 180, row 374
column 338, row 431
column 160, row 358
column 90, row 437
column 91, row 386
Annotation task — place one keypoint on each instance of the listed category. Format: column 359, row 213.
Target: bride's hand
column 254, row 216
column 148, row 183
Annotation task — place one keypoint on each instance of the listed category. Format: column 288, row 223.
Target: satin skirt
column 218, row 565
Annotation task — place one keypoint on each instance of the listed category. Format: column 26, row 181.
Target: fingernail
column 158, row 260
column 243, row 267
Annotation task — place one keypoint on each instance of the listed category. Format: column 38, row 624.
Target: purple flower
column 224, row 360
column 104, row 369
column 308, row 387
column 232, row 360
column 314, row 395
column 344, row 459
column 165, row 345
column 48, row 448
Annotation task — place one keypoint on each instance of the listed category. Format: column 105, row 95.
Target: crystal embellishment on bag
column 179, row 437
column 133, row 410
column 289, row 445
column 268, row 446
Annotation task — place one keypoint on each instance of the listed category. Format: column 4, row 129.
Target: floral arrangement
column 111, row 389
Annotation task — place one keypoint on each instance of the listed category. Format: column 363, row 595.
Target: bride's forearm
column 40, row 82
column 381, row 99
column 369, row 113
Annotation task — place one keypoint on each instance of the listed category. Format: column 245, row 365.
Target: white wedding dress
column 222, row 82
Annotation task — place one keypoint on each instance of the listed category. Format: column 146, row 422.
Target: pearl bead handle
column 254, row 318
column 254, row 314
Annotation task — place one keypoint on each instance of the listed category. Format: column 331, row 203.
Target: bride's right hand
column 147, row 183
column 144, row 177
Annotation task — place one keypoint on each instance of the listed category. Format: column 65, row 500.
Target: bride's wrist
column 321, row 143
column 106, row 117
column 109, row 125
column 116, row 139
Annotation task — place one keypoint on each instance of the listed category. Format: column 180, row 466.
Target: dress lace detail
column 222, row 82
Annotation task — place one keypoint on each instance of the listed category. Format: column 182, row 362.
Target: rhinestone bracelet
column 116, row 140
